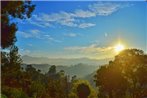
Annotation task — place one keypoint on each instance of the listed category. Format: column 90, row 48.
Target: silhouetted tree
column 124, row 75
column 132, row 61
column 9, row 11
column 106, row 81
column 83, row 90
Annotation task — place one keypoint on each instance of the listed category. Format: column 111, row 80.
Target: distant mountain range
column 81, row 67
column 80, row 70
column 61, row 61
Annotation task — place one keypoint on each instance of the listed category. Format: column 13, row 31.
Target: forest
column 123, row 77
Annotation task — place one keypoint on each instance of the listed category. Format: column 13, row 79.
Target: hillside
column 63, row 61
column 80, row 70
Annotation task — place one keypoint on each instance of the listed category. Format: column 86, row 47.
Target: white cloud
column 71, row 34
column 35, row 31
column 84, row 13
column 74, row 19
column 104, row 9
column 37, row 21
column 86, row 25
column 57, row 16
column 106, row 34
column 24, row 34
column 48, row 37
column 25, row 51
column 93, row 48
column 30, row 34
column 38, row 35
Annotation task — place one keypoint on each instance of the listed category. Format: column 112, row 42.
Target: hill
column 63, row 61
column 80, row 70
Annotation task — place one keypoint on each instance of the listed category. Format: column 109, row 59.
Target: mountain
column 90, row 78
column 80, row 70
column 81, row 67
column 60, row 61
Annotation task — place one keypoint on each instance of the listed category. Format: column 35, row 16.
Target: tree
column 11, row 62
column 11, row 73
column 52, row 69
column 57, row 83
column 129, row 69
column 106, row 81
column 133, row 65
column 11, row 10
column 83, row 91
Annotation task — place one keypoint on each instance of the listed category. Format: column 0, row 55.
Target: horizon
column 82, row 29
column 66, row 58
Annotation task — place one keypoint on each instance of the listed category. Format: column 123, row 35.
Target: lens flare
column 119, row 48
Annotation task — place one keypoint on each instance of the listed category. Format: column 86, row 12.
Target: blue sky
column 82, row 29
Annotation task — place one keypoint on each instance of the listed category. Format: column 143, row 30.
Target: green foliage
column 18, row 93
column 13, row 92
column 3, row 96
column 11, row 70
column 37, row 89
column 11, row 10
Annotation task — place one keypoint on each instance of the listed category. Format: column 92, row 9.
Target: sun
column 118, row 48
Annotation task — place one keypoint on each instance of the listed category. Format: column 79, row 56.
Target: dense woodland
column 124, row 77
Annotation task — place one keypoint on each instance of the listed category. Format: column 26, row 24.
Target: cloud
column 30, row 34
column 37, row 23
column 84, row 13
column 86, row 25
column 75, row 18
column 24, row 34
column 62, row 18
column 104, row 9
column 106, row 34
column 25, row 51
column 71, row 34
column 50, row 38
column 35, row 31
column 30, row 45
column 38, row 35
column 93, row 48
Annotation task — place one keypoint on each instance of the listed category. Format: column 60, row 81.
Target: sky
column 82, row 29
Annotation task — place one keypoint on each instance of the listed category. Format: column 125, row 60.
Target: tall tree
column 11, row 72
column 133, row 63
column 9, row 11
column 129, row 69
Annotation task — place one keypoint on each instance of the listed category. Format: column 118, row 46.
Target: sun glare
column 119, row 48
